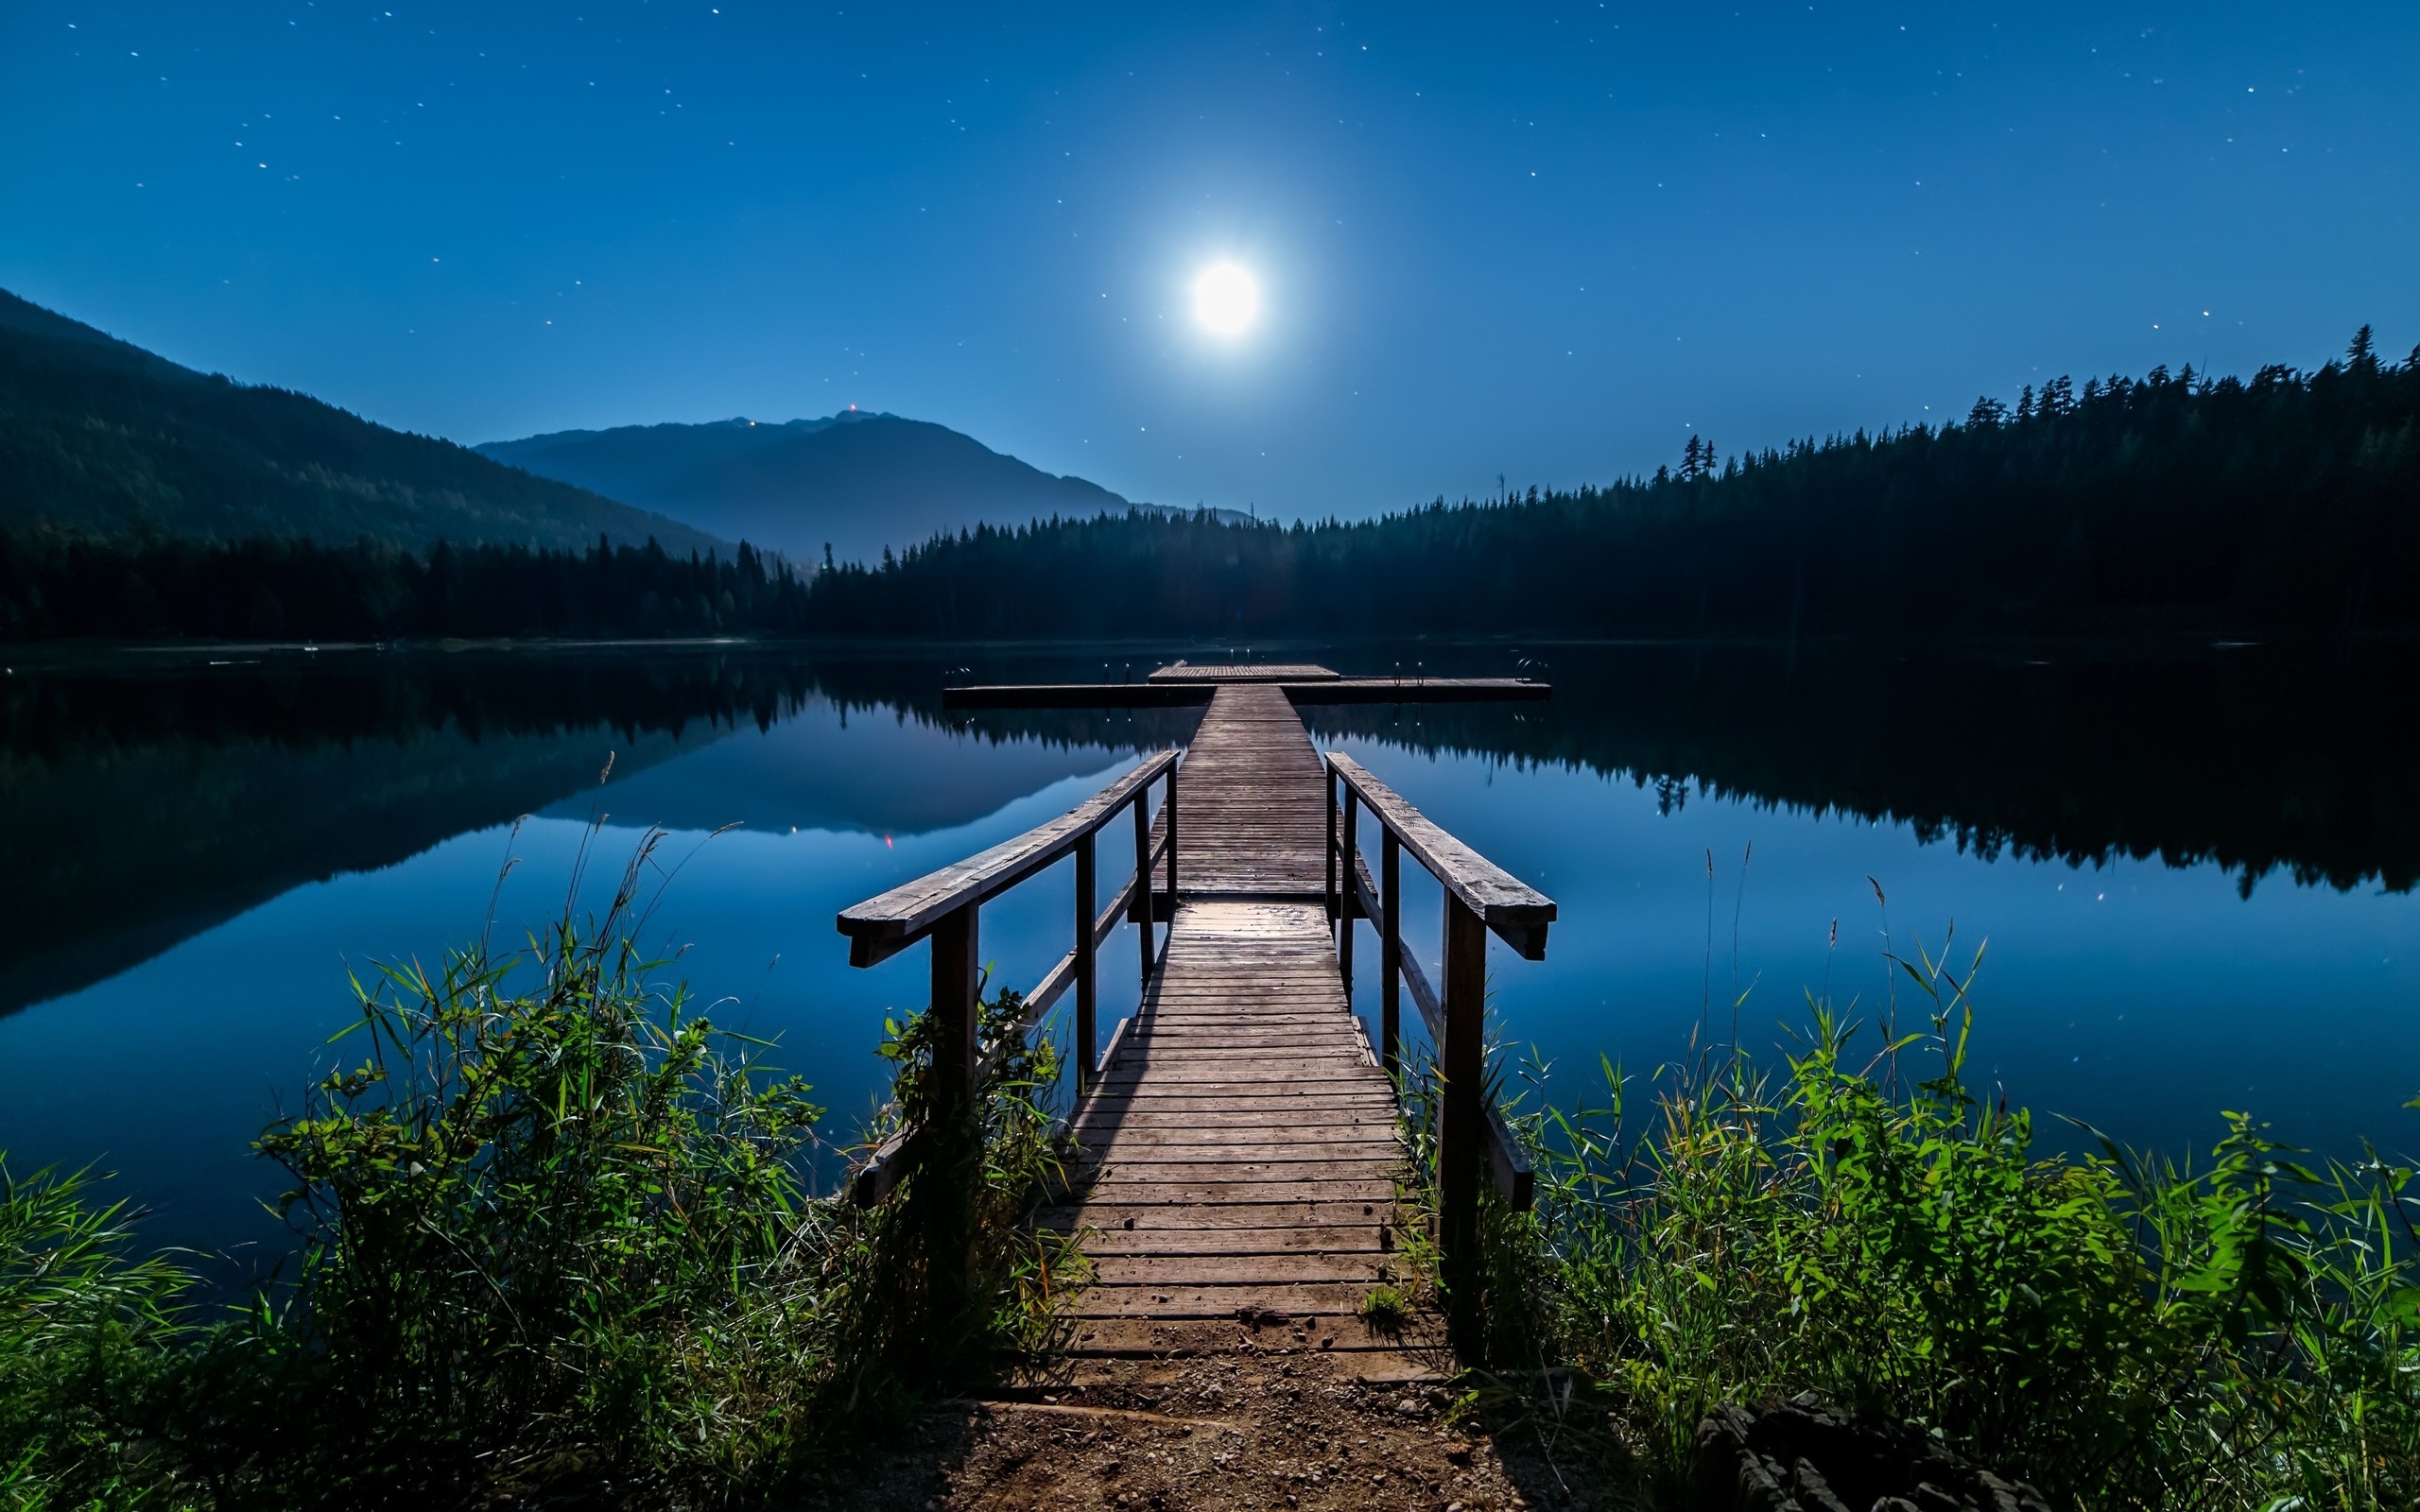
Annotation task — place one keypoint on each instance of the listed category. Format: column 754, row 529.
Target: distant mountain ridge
column 858, row 481
column 98, row 436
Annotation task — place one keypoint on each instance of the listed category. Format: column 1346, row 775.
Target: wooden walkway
column 1239, row 1152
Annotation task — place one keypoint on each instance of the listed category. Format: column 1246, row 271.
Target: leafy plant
column 2120, row 1332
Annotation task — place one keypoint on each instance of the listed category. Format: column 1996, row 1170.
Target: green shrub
column 2120, row 1332
column 558, row 1233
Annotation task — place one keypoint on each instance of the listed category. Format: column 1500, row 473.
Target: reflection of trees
column 141, row 802
column 2260, row 761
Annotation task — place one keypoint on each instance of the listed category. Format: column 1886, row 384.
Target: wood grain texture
column 908, row 910
column 1252, row 793
column 1238, row 1159
column 1273, row 671
column 1514, row 910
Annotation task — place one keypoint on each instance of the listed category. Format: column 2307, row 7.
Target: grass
column 556, row 1239
column 81, row 1327
column 2241, row 1332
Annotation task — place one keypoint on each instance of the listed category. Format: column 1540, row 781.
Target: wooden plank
column 1373, row 1139
column 1162, row 1270
column 1159, row 1217
column 910, row 909
column 1325, row 1239
column 1180, row 693
column 1290, row 1101
column 1152, row 1162
column 1338, row 1334
column 1203, row 1191
column 1252, row 791
column 1514, row 910
column 1273, row 671
column 1194, row 1301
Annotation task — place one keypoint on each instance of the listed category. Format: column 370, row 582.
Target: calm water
column 2193, row 870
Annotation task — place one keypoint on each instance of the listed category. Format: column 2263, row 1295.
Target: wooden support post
column 1462, row 1152
column 1143, row 878
column 1391, row 952
column 1331, row 845
column 1087, row 984
column 952, row 1162
column 1171, row 811
column 1349, row 870
column 955, row 952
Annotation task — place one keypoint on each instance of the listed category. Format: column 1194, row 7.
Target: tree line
column 2285, row 501
column 55, row 584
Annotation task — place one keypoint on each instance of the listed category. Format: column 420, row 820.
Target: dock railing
column 945, row 906
column 1480, row 897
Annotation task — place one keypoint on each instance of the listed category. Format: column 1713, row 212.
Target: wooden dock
column 1238, row 1152
column 1163, row 690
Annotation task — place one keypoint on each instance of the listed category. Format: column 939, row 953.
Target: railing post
column 1391, row 950
column 1331, row 845
column 1087, row 988
column 1170, row 806
column 1462, row 1129
column 1349, row 874
column 952, row 1159
column 1143, row 878
column 954, row 949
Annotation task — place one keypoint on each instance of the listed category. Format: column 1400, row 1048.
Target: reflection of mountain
column 141, row 804
column 877, row 772
column 131, row 850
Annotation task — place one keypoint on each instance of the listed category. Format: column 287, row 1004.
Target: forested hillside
column 100, row 438
column 2285, row 501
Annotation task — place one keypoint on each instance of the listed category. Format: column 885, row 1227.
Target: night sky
column 1543, row 242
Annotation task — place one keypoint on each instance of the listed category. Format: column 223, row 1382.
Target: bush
column 551, row 1228
column 2119, row 1331
column 557, row 1239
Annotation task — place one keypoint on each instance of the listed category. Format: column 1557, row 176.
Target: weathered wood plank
column 910, row 909
column 1227, row 672
column 1514, row 910
column 1272, row 1214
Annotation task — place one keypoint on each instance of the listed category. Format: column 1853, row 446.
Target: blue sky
column 1543, row 242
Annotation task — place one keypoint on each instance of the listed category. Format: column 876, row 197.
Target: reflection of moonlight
column 1225, row 300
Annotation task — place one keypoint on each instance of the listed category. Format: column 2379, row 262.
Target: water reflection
column 198, row 851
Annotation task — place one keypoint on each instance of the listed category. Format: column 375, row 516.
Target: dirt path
column 1230, row 1434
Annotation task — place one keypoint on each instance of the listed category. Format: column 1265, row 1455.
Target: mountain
column 101, row 438
column 857, row 480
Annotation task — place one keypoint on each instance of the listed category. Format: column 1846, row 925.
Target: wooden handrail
column 1516, row 911
column 881, row 927
column 1514, row 1176
column 944, row 905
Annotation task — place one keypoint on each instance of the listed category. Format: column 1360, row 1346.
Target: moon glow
column 1226, row 299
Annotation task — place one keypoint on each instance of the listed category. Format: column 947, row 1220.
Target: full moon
column 1225, row 300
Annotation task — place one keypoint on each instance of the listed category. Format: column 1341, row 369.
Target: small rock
column 1814, row 1493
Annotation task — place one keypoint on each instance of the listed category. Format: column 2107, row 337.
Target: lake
column 2193, row 865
